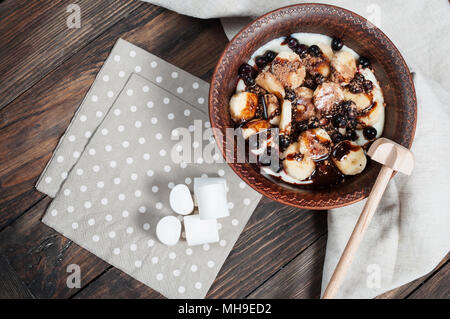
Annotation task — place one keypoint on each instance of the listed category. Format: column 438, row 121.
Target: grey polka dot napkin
column 113, row 170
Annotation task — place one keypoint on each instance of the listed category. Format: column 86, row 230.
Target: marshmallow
column 168, row 230
column 199, row 232
column 211, row 197
column 181, row 200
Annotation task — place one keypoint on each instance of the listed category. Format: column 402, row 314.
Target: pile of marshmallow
column 210, row 197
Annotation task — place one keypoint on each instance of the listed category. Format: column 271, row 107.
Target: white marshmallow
column 168, row 230
column 211, row 196
column 181, row 200
column 199, row 232
column 200, row 181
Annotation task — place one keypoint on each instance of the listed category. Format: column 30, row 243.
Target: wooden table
column 45, row 71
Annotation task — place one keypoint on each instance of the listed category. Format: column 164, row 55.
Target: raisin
column 249, row 81
column 245, row 69
column 336, row 137
column 313, row 123
column 314, row 50
column 355, row 87
column 337, row 44
column 301, row 126
column 310, row 83
column 351, row 135
column 339, row 121
column 301, row 50
column 367, row 86
column 283, row 142
column 270, row 55
column 352, row 123
column 358, row 77
column 292, row 42
column 260, row 61
column 370, row 133
column 364, row 62
column 351, row 112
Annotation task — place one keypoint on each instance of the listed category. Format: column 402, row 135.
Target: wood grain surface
column 34, row 37
column 11, row 287
column 435, row 287
column 46, row 71
column 300, row 278
column 40, row 255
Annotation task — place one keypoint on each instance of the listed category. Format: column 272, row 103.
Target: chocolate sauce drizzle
column 343, row 116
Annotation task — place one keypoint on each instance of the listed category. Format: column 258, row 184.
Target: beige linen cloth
column 409, row 234
column 113, row 170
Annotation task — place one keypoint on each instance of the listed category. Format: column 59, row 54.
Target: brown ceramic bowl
column 357, row 33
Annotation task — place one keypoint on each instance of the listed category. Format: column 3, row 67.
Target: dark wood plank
column 40, row 256
column 437, row 287
column 11, row 287
column 31, row 126
column 115, row 284
column 193, row 45
column 274, row 235
column 402, row 291
column 300, row 279
column 405, row 290
column 35, row 38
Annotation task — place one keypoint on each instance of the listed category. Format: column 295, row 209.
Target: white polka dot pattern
column 118, row 188
column 103, row 93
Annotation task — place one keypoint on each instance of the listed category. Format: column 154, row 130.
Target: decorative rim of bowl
column 242, row 169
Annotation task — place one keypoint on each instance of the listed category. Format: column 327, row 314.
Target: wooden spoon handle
column 358, row 232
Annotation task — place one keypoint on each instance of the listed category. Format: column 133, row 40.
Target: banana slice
column 275, row 120
column 374, row 114
column 286, row 118
column 296, row 79
column 273, row 108
column 296, row 164
column 326, row 50
column 349, row 158
column 327, row 96
column 288, row 69
column 270, row 83
column 343, row 67
column 303, row 93
column 316, row 143
column 323, row 68
column 371, row 115
column 305, row 107
column 253, row 127
column 361, row 100
column 370, row 111
column 243, row 106
column 317, row 65
column 287, row 57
